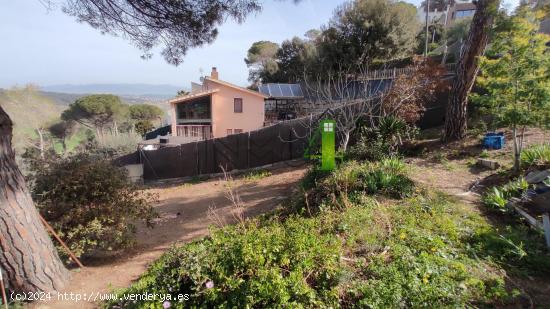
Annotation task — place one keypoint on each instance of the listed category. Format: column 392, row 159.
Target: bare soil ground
column 451, row 168
column 185, row 215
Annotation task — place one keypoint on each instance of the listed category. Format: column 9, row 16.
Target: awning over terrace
column 193, row 96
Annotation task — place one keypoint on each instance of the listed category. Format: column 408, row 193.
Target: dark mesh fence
column 281, row 142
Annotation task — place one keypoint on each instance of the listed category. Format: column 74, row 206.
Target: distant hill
column 64, row 99
column 158, row 92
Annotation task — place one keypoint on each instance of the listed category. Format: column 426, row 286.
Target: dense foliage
column 360, row 32
column 498, row 197
column 536, row 155
column 142, row 116
column 97, row 111
column 278, row 264
column 261, row 61
column 338, row 189
column 174, row 25
column 384, row 140
column 375, row 30
column 515, row 76
column 409, row 94
column 90, row 202
column 108, row 117
column 425, row 251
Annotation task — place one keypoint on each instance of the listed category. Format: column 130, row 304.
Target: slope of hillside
column 29, row 110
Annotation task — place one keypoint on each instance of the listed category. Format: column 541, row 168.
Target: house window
column 238, row 105
column 237, row 131
column 229, row 131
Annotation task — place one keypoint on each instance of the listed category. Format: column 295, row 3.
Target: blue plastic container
column 493, row 140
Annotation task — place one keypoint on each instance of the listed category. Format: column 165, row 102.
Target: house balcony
column 194, row 132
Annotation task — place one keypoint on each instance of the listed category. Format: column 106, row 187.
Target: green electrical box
column 328, row 145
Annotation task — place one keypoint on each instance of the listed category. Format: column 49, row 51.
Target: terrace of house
column 194, row 117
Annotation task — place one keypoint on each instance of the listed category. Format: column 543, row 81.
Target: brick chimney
column 214, row 74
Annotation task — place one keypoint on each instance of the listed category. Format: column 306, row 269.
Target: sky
column 47, row 47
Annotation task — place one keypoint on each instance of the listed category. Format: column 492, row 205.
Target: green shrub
column 90, row 203
column 424, row 251
column 498, row 197
column 382, row 141
column 144, row 126
column 278, row 265
column 484, row 154
column 495, row 198
column 334, row 190
column 372, row 149
column 536, row 155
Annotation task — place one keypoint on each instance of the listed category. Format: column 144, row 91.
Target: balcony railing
column 195, row 132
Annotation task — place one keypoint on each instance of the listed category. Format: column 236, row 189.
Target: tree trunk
column 27, row 253
column 466, row 70
column 64, row 144
column 41, row 146
column 517, row 149
column 99, row 134
column 345, row 141
column 116, row 128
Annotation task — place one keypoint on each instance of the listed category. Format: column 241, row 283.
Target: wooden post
column 546, row 226
column 3, row 288
column 248, row 150
column 71, row 254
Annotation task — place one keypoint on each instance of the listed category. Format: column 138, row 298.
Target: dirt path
column 456, row 175
column 184, row 211
column 452, row 177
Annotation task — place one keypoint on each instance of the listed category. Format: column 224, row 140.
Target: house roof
column 236, row 87
column 192, row 96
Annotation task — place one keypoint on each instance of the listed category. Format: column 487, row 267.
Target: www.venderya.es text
column 96, row 296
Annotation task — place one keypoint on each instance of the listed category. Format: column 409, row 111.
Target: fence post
column 546, row 227
column 290, row 142
column 198, row 159
column 180, row 154
column 248, row 150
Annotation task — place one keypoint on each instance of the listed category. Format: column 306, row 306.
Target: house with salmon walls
column 215, row 109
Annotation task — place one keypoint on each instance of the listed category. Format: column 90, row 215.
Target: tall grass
column 536, row 155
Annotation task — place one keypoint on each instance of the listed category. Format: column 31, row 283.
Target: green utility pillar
column 328, row 145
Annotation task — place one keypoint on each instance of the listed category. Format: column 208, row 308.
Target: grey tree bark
column 27, row 253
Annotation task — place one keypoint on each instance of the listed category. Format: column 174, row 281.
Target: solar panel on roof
column 297, row 90
column 287, row 91
column 275, row 90
column 264, row 89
